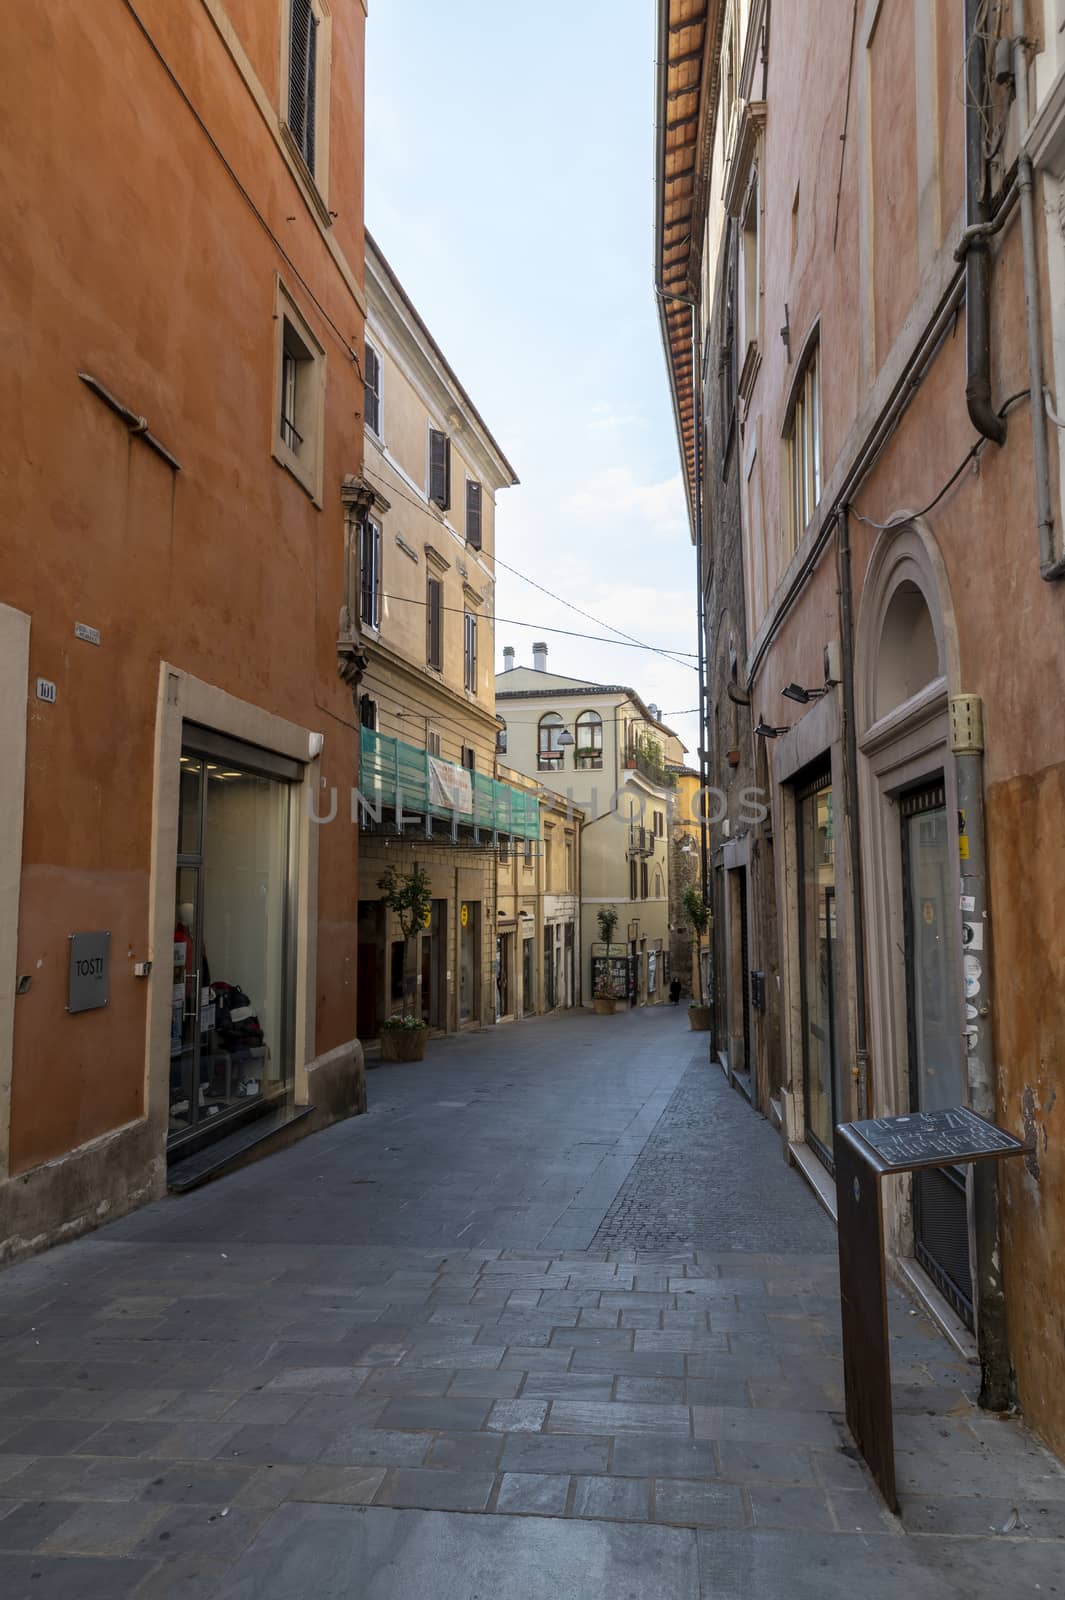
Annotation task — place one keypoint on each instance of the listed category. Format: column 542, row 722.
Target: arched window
column 589, row 736
column 501, row 737
column 551, row 753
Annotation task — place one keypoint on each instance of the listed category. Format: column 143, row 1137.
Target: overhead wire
column 537, row 627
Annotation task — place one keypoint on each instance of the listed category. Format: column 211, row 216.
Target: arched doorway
column 905, row 667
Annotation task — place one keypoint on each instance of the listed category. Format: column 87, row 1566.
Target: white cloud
column 616, row 495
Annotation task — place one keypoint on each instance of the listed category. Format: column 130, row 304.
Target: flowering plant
column 401, row 1024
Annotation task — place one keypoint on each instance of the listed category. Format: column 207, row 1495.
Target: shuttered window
column 439, row 469
column 370, row 574
column 303, row 78
column 434, row 620
column 471, row 653
column 372, row 366
column 473, row 513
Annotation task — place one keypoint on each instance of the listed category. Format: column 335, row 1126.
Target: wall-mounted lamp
column 801, row 696
column 765, row 731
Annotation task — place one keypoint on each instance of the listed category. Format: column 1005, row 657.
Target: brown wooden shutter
column 439, row 469
column 473, row 514
column 434, row 617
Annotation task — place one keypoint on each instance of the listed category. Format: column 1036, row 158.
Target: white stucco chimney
column 509, row 662
column 540, row 656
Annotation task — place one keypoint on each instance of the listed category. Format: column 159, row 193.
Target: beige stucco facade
column 426, row 584
column 615, row 771
column 538, row 910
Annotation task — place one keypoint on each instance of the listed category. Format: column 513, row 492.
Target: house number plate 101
column 89, row 953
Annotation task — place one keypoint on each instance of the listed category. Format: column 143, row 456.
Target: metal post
column 967, row 743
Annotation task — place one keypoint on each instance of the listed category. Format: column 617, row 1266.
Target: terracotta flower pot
column 604, row 1005
column 701, row 1018
column 403, row 1044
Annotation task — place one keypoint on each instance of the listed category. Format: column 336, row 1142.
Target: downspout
column 1050, row 567
column 704, row 748
column 860, row 1070
column 967, row 745
column 982, row 413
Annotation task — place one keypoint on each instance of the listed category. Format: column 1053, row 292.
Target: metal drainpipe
column 850, row 761
column 1050, row 566
column 967, row 744
column 977, row 261
column 704, row 748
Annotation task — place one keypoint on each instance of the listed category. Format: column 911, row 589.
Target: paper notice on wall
column 449, row 786
column 968, row 902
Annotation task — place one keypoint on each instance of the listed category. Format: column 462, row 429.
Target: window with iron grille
column 470, row 653
column 299, row 395
column 303, row 78
column 439, row 469
column 434, row 623
column 473, row 513
column 372, row 370
column 370, row 573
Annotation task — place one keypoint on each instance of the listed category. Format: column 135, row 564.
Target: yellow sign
column 464, row 915
column 963, row 847
column 428, row 918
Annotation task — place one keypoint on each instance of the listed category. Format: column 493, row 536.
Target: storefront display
column 231, row 1022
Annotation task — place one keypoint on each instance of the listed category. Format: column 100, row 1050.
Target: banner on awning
column 449, row 786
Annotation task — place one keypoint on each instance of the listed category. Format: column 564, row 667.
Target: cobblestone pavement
column 390, row 1362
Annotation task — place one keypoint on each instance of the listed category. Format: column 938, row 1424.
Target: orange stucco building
column 182, row 292
column 864, row 266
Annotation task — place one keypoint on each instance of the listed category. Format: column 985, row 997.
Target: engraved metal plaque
column 89, row 953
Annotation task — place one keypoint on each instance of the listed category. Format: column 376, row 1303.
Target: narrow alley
column 550, row 1321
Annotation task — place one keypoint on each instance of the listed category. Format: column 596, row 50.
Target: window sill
column 310, row 181
column 292, row 464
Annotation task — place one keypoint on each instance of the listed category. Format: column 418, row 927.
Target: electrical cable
column 212, row 141
column 908, row 516
column 540, row 627
column 657, row 650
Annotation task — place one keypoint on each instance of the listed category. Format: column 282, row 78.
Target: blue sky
column 509, row 167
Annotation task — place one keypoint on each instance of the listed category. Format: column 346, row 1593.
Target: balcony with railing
column 641, row 840
column 393, row 774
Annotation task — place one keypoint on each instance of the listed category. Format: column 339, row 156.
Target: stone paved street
column 553, row 1320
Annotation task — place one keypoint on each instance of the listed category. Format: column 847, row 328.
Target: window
column 370, row 573
column 643, row 880
column 432, row 744
column 727, row 352
column 300, row 393
column 658, row 884
column 750, row 271
column 368, row 712
column 473, row 513
column 589, row 740
column 469, row 758
column 633, row 882
column 569, row 864
column 501, row 738
column 550, row 754
column 804, row 446
column 439, row 469
column 504, row 851
column 434, row 623
column 660, row 824
column 372, row 369
column 470, row 653
column 303, row 79
column 529, row 852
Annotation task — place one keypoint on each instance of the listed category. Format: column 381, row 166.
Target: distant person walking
column 674, row 992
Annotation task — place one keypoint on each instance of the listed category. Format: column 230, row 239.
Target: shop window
column 396, row 971
column 232, row 1021
column 299, row 398
column 470, row 961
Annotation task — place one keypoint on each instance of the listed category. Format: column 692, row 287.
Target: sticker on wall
column 963, row 846
column 928, row 912
column 464, row 915
column 971, row 1013
column 973, row 973
column 968, row 902
column 972, row 1039
column 972, row 935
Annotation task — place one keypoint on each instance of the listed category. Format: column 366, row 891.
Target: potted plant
column 697, row 912
column 409, row 896
column 604, row 998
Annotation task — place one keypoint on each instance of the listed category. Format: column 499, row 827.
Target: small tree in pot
column 605, row 997
column 409, row 896
column 698, row 914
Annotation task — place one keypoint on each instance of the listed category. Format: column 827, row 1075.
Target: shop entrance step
column 222, row 1156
